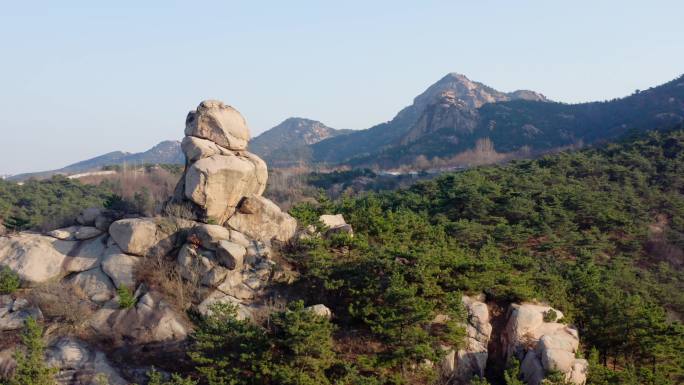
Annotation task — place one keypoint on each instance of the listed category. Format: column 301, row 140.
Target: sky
column 82, row 78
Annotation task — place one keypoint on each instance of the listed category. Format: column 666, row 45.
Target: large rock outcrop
column 535, row 336
column 218, row 254
column 219, row 171
column 35, row 258
column 460, row 366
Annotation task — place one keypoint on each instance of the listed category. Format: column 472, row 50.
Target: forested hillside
column 597, row 233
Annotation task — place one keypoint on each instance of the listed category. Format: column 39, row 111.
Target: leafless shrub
column 161, row 274
column 147, row 186
column 63, row 303
column 262, row 315
column 287, row 187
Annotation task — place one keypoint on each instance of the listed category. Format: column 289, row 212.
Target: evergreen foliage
column 597, row 233
column 9, row 280
column 31, row 368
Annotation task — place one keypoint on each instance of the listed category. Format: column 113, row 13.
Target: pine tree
column 31, row 368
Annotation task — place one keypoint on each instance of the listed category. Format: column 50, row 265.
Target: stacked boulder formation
column 219, row 170
column 543, row 345
column 533, row 334
column 217, row 233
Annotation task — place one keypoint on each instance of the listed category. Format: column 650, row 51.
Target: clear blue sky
column 78, row 79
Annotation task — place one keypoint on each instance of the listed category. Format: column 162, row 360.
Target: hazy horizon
column 81, row 80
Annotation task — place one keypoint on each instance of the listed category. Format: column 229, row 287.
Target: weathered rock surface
column 120, row 266
column 320, row 310
column 335, row 224
column 196, row 148
column 543, row 346
column 331, row 221
column 14, row 312
column 230, row 255
column 261, row 219
column 95, row 284
column 218, row 123
column 459, row 367
column 142, row 236
column 210, row 235
column 151, row 319
column 218, row 297
column 35, row 258
column 86, row 255
column 73, row 233
column 200, row 266
column 218, row 183
column 79, row 364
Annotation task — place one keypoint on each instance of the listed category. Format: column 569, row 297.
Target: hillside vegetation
column 598, row 234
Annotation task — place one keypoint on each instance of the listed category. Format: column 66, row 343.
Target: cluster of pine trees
column 598, row 234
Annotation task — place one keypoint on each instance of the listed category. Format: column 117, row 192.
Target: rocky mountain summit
column 470, row 95
column 452, row 115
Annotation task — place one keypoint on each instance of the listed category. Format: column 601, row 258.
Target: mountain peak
column 290, row 136
column 473, row 93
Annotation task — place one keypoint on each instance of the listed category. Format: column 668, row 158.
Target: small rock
column 142, row 236
column 87, row 232
column 65, row 234
column 119, row 266
column 332, row 221
column 210, row 235
column 320, row 310
column 87, row 216
column 263, row 220
column 230, row 255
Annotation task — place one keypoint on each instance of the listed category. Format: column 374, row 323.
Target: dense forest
column 598, row 234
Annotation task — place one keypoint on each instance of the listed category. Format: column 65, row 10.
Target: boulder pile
column 543, row 345
column 217, row 232
column 219, row 170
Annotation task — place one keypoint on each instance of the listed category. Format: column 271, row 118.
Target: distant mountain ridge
column 449, row 118
column 454, row 114
column 287, row 144
column 283, row 145
column 165, row 152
